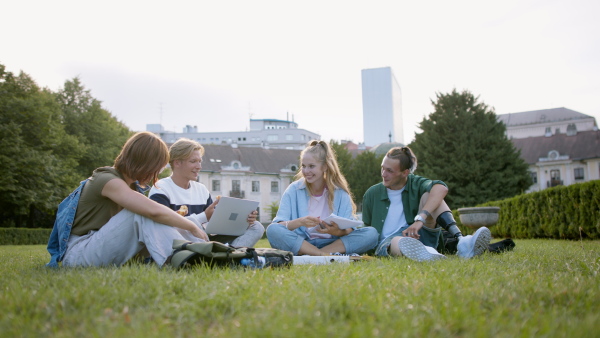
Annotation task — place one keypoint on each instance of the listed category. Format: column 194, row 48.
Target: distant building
column 561, row 146
column 561, row 159
column 382, row 107
column 265, row 133
column 546, row 122
column 252, row 173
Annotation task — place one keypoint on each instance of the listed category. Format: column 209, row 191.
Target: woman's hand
column 332, row 229
column 197, row 232
column 309, row 221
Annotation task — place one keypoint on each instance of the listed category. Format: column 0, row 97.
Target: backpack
column 187, row 254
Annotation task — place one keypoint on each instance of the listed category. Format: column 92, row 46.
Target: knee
column 372, row 235
column 275, row 230
column 257, row 226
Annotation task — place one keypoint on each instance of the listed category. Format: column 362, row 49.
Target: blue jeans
column 358, row 241
column 427, row 236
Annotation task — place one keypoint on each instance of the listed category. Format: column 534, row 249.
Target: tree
column 36, row 155
column 344, row 158
column 101, row 134
column 365, row 172
column 464, row 145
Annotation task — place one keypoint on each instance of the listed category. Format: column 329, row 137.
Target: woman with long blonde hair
column 320, row 191
column 107, row 220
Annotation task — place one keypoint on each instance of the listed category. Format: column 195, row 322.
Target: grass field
column 544, row 288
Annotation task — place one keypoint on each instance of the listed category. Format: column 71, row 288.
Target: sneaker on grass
column 417, row 251
column 474, row 245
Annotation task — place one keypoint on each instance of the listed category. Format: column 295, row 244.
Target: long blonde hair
column 323, row 153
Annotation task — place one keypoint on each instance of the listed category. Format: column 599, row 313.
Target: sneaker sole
column 482, row 238
column 415, row 250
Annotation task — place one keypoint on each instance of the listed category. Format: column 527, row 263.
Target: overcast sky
column 216, row 64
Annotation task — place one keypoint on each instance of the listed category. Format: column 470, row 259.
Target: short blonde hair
column 182, row 150
column 143, row 157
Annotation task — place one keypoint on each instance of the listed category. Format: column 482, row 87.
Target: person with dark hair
column 320, row 191
column 107, row 220
column 409, row 213
column 183, row 193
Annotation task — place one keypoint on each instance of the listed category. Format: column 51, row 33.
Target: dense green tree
column 344, row 158
column 365, row 172
column 36, row 155
column 101, row 134
column 464, row 145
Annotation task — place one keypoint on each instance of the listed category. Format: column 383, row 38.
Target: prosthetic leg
column 451, row 234
column 447, row 222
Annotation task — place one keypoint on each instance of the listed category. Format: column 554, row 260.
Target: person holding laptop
column 107, row 220
column 182, row 191
column 321, row 190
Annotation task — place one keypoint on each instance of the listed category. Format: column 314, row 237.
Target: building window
column 533, row 177
column 272, row 137
column 255, row 186
column 274, row 186
column 236, row 185
column 302, row 137
column 578, row 173
column 289, row 137
column 216, row 185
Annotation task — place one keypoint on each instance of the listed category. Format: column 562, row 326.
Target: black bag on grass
column 187, row 254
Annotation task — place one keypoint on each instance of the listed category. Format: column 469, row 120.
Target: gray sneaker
column 415, row 250
column 474, row 245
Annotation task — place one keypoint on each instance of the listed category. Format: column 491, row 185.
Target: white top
column 318, row 206
column 395, row 219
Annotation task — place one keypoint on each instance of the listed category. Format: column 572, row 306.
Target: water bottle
column 249, row 262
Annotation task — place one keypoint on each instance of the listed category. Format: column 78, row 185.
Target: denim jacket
column 295, row 199
column 59, row 237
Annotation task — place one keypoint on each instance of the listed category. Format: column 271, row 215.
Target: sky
column 216, row 64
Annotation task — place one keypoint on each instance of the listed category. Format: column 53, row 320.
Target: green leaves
column 48, row 143
column 464, row 145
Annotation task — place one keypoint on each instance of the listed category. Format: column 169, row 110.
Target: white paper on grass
column 319, row 260
column 343, row 223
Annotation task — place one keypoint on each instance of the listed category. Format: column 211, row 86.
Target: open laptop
column 230, row 216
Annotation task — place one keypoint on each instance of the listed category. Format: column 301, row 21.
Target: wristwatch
column 419, row 218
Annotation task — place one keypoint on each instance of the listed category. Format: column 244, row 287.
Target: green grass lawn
column 542, row 288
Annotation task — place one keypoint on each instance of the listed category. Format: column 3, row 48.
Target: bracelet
column 426, row 213
column 286, row 224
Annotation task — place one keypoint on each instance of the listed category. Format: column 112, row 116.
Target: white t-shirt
column 395, row 219
column 318, row 206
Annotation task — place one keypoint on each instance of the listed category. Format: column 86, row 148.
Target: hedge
column 24, row 236
column 563, row 212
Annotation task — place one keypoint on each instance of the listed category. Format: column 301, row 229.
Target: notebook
column 230, row 215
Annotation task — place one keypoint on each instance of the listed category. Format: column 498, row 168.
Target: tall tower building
column 382, row 107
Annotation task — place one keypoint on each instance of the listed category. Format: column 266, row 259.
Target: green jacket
column 376, row 201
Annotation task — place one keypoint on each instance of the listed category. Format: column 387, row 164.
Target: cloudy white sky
column 215, row 64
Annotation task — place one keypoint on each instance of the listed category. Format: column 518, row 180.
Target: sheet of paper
column 319, row 260
column 343, row 223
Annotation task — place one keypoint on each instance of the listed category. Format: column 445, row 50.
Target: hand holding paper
column 343, row 223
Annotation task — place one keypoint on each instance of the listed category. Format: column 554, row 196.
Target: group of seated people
column 108, row 219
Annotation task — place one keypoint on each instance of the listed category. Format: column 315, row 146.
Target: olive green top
column 95, row 210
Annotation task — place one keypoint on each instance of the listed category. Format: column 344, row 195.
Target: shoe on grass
column 417, row 251
column 474, row 245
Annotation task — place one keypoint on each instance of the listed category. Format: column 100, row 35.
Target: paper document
column 343, row 223
column 318, row 260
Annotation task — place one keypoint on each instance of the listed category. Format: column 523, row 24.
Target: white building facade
column 382, row 107
column 561, row 146
column 252, row 173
